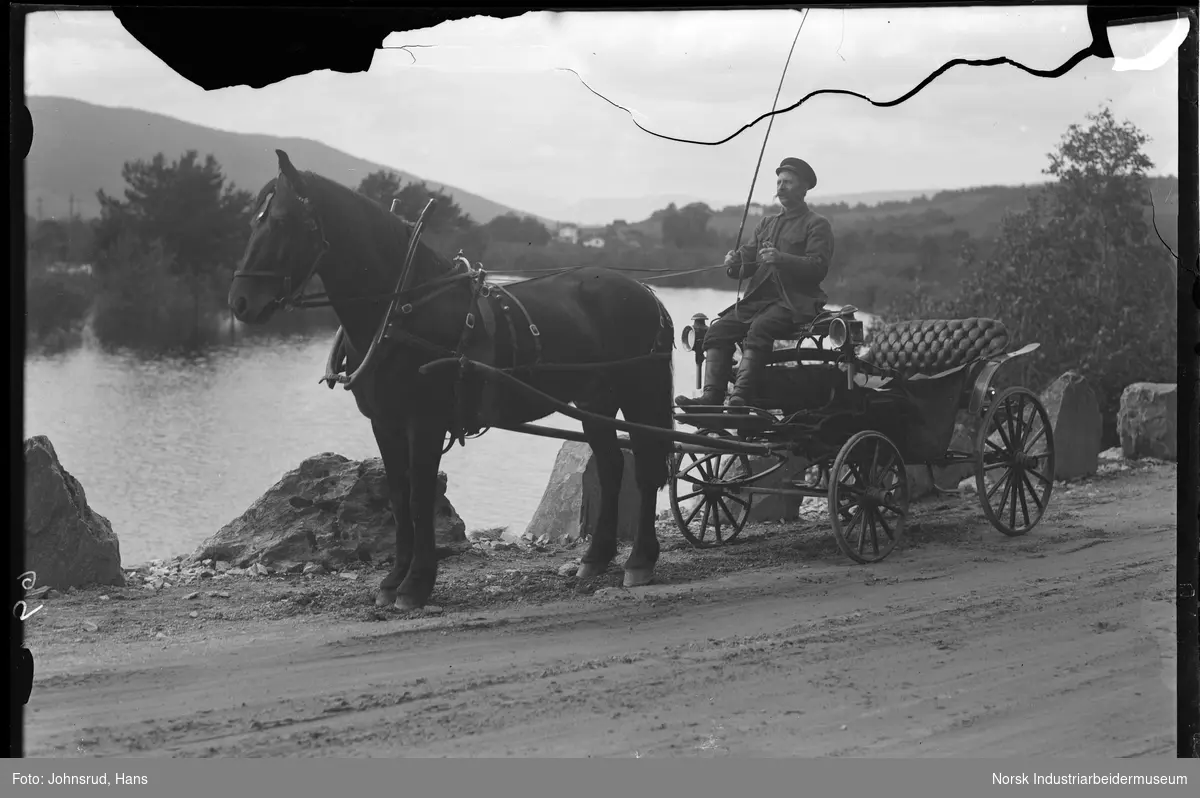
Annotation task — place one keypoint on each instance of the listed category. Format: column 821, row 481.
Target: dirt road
column 962, row 643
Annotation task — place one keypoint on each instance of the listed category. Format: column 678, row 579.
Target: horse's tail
column 659, row 392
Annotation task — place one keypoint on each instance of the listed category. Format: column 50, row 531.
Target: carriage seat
column 930, row 346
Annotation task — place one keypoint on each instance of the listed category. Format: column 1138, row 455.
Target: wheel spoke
column 862, row 530
column 1004, row 496
column 1038, row 474
column 699, row 506
column 994, row 466
column 732, row 521
column 1024, row 504
column 999, row 482
column 745, row 503
column 1033, row 493
column 1040, row 433
column 874, row 462
column 691, row 495
column 1012, row 516
column 728, row 464
column 717, row 521
column 704, row 521
column 989, row 442
column 887, row 530
column 874, row 534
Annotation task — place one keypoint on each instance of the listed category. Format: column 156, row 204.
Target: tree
column 1079, row 271
column 383, row 186
column 518, row 229
column 186, row 214
column 186, row 205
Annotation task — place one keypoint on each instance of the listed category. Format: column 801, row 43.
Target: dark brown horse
column 539, row 330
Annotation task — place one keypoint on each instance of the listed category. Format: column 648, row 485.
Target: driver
column 794, row 249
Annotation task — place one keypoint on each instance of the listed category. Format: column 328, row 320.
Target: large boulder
column 329, row 508
column 1146, row 420
column 67, row 543
column 571, row 503
column 1077, row 425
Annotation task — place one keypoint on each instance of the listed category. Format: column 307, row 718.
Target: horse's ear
column 289, row 172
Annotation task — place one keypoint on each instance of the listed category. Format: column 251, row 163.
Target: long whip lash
column 770, row 122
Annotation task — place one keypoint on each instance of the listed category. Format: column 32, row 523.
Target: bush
column 56, row 302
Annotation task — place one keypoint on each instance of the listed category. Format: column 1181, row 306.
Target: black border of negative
column 346, row 38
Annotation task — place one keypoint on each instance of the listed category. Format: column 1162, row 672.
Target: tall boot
column 749, row 370
column 717, row 365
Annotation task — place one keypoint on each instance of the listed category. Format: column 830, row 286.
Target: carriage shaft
column 622, row 440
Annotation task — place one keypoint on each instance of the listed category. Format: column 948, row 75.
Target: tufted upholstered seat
column 928, row 347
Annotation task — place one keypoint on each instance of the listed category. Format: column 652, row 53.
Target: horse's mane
column 375, row 217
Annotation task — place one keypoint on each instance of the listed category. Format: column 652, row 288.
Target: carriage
column 845, row 421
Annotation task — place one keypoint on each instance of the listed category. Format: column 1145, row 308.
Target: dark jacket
column 800, row 232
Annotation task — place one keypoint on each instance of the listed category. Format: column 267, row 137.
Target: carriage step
column 739, row 421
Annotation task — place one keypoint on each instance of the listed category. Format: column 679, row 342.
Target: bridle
column 290, row 299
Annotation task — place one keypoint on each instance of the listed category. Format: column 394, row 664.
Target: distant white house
column 62, row 267
column 568, row 233
column 594, row 242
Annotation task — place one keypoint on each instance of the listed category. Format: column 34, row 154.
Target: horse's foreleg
column 393, row 449
column 610, row 463
column 426, row 438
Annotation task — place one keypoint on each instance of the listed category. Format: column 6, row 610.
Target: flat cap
column 800, row 169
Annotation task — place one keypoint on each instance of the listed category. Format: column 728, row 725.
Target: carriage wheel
column 1014, row 463
column 868, row 497
column 719, row 514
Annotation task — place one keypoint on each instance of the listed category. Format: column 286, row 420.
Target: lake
column 171, row 450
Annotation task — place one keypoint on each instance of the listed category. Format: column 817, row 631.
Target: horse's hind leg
column 609, row 467
column 648, row 401
column 393, row 449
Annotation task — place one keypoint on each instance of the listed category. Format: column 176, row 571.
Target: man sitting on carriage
column 785, row 263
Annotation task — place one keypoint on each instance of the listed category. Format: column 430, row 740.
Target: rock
column 39, row 592
column 324, row 504
column 478, row 535
column 89, row 626
column 67, row 543
column 568, row 569
column 1077, row 424
column 221, row 594
column 258, row 569
column 351, row 575
column 571, row 501
column 289, row 567
column 1147, row 419
column 105, row 598
column 160, row 636
column 314, row 568
column 222, row 566
column 193, row 614
column 192, row 595
column 1113, row 455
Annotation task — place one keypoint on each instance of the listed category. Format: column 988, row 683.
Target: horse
column 594, row 338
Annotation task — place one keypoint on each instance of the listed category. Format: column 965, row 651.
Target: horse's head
column 285, row 246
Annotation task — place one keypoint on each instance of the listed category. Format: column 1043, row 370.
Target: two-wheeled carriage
column 843, row 421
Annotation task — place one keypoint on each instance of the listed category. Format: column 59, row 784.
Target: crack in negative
column 1059, row 71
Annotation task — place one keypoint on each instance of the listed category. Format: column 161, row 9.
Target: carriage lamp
column 692, row 338
column 845, row 334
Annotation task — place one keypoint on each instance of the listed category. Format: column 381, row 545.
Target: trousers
column 760, row 322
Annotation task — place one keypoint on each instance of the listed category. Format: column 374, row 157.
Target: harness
column 477, row 342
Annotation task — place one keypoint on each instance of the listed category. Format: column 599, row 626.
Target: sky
column 488, row 105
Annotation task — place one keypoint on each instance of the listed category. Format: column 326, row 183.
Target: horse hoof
column 385, row 597
column 637, row 577
column 589, row 569
column 408, row 603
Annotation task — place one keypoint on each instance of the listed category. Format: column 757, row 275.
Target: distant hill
column 974, row 211
column 79, row 148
